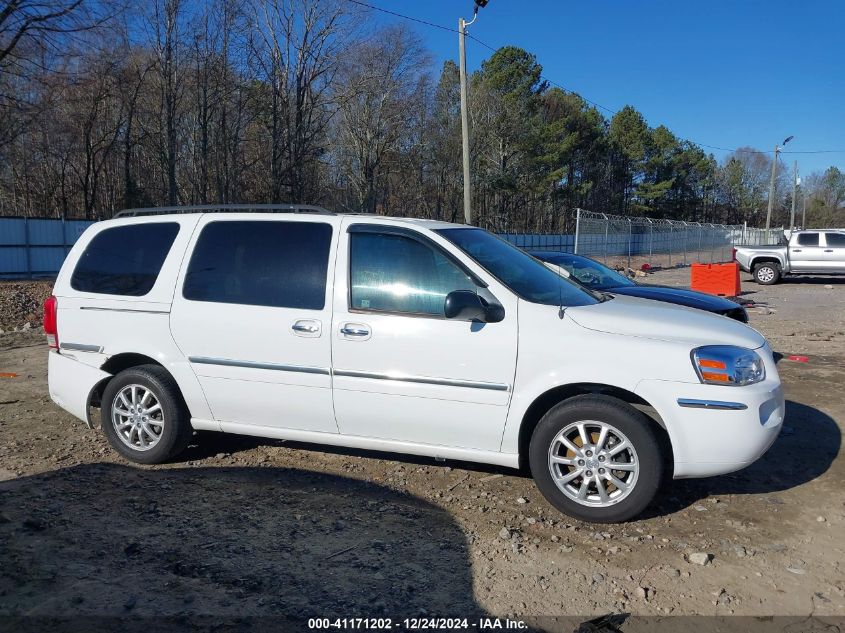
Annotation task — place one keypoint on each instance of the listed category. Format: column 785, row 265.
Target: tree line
column 105, row 106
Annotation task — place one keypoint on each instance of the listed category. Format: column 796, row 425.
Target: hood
column 681, row 296
column 631, row 316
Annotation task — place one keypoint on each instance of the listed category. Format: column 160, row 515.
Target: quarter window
column 394, row 273
column 262, row 263
column 808, row 239
column 124, row 260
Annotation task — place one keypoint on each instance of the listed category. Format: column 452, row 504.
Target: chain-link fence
column 633, row 241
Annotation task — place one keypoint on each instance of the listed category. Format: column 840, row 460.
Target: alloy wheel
column 137, row 417
column 593, row 463
column 765, row 274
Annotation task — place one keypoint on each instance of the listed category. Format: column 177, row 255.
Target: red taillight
column 733, row 254
column 51, row 306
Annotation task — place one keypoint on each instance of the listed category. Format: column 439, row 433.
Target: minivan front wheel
column 144, row 416
column 596, row 458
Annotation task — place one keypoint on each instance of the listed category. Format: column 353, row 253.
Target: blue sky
column 725, row 73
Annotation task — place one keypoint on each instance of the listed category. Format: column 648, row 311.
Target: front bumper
column 720, row 438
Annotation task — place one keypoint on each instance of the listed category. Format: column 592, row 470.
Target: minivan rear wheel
column 144, row 416
column 596, row 458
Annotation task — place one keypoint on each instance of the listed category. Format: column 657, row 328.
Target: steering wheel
column 589, row 277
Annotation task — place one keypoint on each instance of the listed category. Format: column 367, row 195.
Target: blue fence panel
column 541, row 242
column 35, row 247
column 12, row 231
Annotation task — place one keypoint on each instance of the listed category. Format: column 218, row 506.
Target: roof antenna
column 562, row 308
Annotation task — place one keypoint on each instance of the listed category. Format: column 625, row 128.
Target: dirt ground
column 243, row 526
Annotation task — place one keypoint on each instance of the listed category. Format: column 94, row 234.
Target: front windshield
column 589, row 272
column 524, row 275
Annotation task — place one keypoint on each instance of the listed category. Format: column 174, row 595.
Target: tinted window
column 392, row 273
column 124, row 260
column 277, row 264
column 808, row 239
column 586, row 271
column 836, row 240
column 524, row 275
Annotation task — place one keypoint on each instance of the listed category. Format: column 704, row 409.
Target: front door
column 252, row 313
column 402, row 371
column 807, row 255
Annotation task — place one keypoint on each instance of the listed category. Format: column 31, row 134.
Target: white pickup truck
column 807, row 253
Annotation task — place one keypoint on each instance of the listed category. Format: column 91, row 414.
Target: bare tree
column 298, row 45
column 379, row 84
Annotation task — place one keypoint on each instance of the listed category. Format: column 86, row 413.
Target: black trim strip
column 139, row 311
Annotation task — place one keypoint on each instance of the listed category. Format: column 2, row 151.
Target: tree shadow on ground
column 804, row 451
column 285, row 544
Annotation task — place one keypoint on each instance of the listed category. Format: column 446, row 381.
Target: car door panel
column 414, row 377
column 266, row 365
column 834, row 252
column 806, row 255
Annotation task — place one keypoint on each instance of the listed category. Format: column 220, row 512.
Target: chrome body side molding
column 448, row 382
column 81, row 347
column 226, row 362
column 717, row 405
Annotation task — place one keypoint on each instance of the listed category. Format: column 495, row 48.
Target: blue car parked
column 590, row 273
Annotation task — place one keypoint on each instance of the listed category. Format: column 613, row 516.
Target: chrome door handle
column 306, row 327
column 354, row 331
column 796, row 250
column 828, row 250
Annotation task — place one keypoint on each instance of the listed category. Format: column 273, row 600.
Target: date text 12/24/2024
column 416, row 624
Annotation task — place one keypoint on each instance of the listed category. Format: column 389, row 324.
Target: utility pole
column 794, row 193
column 804, row 211
column 772, row 182
column 462, row 30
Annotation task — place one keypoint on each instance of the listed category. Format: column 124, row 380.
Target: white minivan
column 403, row 335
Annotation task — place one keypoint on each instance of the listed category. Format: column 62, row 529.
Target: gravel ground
column 244, row 526
column 21, row 303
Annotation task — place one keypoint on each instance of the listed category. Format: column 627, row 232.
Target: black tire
column 633, row 424
column 176, row 432
column 767, row 273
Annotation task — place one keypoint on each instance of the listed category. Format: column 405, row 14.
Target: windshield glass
column 527, row 277
column 588, row 272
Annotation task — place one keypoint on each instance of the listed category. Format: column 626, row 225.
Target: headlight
column 728, row 365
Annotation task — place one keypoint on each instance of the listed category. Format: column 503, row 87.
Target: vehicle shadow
column 234, row 543
column 804, row 451
column 803, row 279
column 815, row 280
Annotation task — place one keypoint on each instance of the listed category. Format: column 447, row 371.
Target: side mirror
column 468, row 306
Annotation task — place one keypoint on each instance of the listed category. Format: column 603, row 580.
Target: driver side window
column 394, row 273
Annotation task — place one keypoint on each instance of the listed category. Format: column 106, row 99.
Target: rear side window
column 835, row 239
column 808, row 239
column 261, row 263
column 124, row 260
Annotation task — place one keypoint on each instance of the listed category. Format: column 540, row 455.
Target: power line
column 592, row 103
column 403, row 16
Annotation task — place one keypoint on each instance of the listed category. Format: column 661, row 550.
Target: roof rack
column 224, row 208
